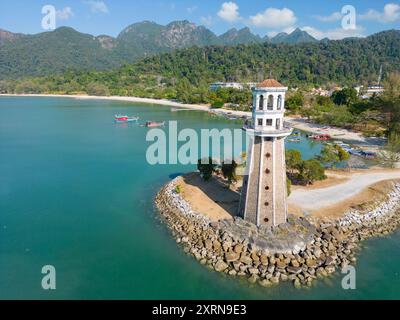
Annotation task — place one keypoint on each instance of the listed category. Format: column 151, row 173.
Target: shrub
column 206, row 168
column 178, row 188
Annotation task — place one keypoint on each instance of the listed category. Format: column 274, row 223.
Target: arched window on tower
column 279, row 102
column 270, row 105
column 261, row 103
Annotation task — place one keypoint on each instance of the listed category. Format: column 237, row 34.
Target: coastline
column 332, row 247
column 164, row 102
column 371, row 144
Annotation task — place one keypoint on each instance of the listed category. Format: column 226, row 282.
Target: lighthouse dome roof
column 270, row 83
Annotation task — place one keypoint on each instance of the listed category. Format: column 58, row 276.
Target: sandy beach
column 164, row 102
column 352, row 137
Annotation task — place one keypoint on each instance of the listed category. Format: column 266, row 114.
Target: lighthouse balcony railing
column 282, row 131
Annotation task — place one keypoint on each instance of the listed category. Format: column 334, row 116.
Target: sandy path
column 320, row 198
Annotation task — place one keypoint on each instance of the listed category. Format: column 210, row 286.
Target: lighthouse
column 263, row 199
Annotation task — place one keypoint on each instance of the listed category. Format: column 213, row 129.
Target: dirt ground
column 211, row 198
column 365, row 199
column 217, row 202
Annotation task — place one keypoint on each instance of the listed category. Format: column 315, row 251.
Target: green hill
column 344, row 62
column 65, row 48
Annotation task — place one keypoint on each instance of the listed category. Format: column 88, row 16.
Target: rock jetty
column 300, row 251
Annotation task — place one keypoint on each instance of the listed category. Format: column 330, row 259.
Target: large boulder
column 294, row 270
column 246, row 259
column 311, row 263
column 231, row 256
column 220, row 266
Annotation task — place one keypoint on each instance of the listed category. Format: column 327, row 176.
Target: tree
column 333, row 154
column 343, row 155
column 293, row 160
column 338, row 116
column 206, row 168
column 97, row 89
column 295, row 101
column 184, row 90
column 229, row 171
column 391, row 101
column 217, row 103
column 310, row 171
column 346, row 96
column 390, row 155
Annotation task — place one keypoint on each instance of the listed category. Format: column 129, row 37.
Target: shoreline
column 333, row 246
column 163, row 102
column 356, row 138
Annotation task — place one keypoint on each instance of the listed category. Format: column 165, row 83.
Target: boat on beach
column 320, row 137
column 153, row 124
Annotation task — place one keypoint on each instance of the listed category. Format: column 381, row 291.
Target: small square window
column 269, row 122
column 260, row 122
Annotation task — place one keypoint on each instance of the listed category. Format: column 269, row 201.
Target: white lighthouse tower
column 264, row 194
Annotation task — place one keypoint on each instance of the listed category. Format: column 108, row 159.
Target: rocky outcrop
column 300, row 251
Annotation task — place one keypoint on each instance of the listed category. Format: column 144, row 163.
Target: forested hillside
column 186, row 74
column 56, row 51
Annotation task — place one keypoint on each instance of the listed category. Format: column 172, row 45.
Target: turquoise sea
column 77, row 193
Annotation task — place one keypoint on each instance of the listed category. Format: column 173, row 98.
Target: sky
column 321, row 18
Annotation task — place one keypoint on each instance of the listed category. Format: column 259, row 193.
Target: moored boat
column 152, row 124
column 124, row 118
column 320, row 137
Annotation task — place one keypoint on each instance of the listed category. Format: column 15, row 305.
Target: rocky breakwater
column 300, row 251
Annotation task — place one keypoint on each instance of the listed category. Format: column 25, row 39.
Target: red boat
column 124, row 118
column 321, row 137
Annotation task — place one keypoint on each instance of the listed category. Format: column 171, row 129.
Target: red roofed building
column 270, row 83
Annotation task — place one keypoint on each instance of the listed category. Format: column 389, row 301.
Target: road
column 320, row 198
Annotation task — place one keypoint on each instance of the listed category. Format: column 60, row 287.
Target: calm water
column 76, row 192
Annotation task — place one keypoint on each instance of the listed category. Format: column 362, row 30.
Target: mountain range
column 65, row 48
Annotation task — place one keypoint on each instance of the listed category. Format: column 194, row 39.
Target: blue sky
column 320, row 18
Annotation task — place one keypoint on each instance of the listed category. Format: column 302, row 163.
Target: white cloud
column 335, row 34
column 207, row 21
column 229, row 11
column 335, row 16
column 97, row 6
column 65, row 13
column 274, row 18
column 390, row 13
column 191, row 9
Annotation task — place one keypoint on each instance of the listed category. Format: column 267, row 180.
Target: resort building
column 264, row 194
column 235, row 85
column 217, row 85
